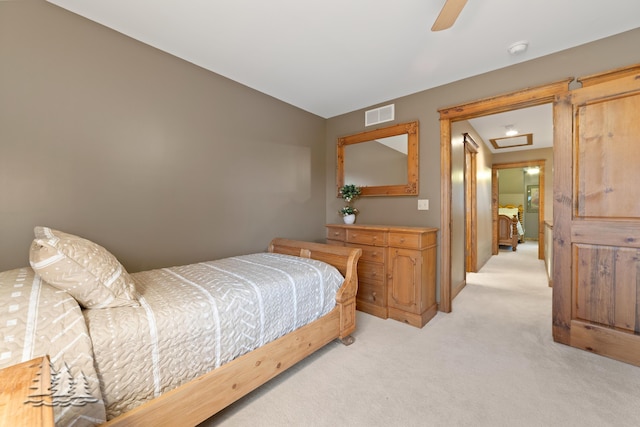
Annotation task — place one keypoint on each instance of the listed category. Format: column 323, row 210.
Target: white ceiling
column 331, row 57
column 537, row 121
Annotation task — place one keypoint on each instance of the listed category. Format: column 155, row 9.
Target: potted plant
column 349, row 193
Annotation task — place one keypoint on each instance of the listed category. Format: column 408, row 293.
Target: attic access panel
column 512, row 141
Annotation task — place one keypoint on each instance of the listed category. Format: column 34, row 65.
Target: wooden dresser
column 397, row 270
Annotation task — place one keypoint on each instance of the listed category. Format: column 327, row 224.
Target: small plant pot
column 349, row 219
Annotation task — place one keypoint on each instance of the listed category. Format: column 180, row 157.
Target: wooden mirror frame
column 413, row 142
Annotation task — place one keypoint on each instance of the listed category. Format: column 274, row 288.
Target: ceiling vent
column 379, row 115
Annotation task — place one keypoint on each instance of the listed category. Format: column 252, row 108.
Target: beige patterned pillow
column 87, row 271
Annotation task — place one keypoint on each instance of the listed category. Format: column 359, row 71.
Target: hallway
column 511, row 301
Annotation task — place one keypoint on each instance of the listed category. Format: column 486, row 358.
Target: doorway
column 539, row 207
column 521, row 99
column 595, row 301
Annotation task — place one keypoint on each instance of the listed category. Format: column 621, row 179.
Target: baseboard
column 455, row 290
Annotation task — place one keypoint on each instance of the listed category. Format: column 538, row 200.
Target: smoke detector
column 518, row 47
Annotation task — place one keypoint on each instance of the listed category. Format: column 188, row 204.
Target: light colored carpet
column 491, row 362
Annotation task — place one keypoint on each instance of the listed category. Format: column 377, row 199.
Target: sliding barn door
column 596, row 277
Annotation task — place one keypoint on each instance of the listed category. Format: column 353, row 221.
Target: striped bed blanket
column 191, row 319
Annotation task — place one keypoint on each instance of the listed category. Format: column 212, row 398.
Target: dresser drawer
column 412, row 240
column 371, row 253
column 372, row 293
column 370, row 271
column 336, row 233
column 404, row 240
column 367, row 237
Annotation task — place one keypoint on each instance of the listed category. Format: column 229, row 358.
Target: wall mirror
column 383, row 162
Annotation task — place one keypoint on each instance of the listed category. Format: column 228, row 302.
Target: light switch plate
column 423, row 204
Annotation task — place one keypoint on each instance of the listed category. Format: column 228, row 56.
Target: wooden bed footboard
column 345, row 260
column 197, row 400
column 508, row 231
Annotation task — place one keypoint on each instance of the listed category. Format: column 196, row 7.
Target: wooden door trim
column 524, row 98
column 615, row 74
column 510, row 101
column 471, row 205
column 495, row 200
column 562, row 212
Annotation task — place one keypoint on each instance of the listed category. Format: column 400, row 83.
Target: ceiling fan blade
column 448, row 14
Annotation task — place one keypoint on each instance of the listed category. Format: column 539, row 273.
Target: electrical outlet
column 423, row 205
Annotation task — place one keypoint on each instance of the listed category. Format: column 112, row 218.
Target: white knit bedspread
column 197, row 317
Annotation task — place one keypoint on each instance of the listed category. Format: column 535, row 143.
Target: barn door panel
column 596, row 303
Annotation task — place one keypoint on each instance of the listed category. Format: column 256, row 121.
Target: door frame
column 529, row 97
column 470, row 205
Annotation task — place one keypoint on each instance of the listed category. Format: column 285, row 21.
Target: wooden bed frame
column 197, row 400
column 504, row 225
column 508, row 231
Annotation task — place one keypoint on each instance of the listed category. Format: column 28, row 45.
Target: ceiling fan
column 448, row 14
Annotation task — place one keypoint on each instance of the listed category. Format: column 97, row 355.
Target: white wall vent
column 380, row 115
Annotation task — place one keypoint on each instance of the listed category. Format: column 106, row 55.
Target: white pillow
column 510, row 212
column 85, row 270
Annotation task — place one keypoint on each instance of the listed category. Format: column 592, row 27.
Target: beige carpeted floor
column 491, row 362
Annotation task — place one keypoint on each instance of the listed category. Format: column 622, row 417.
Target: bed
column 510, row 229
column 171, row 346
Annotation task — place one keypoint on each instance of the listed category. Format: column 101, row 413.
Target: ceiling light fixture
column 532, row 170
column 518, row 47
column 511, row 131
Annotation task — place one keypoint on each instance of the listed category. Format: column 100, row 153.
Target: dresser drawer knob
column 402, row 240
column 374, row 255
column 374, row 295
column 336, row 233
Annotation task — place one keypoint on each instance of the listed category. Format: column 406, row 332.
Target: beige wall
column 163, row 162
column 458, row 216
column 158, row 160
column 598, row 56
column 484, row 160
column 511, row 181
column 483, row 201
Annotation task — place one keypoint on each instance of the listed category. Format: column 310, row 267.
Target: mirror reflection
column 383, row 162
column 378, row 162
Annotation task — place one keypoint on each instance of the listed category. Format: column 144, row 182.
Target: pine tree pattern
column 65, row 390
